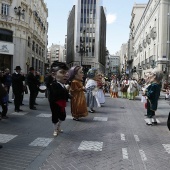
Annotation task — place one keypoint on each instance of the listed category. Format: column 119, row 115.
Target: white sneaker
column 60, row 130
column 55, row 133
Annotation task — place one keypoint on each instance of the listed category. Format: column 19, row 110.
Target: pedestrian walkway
column 115, row 137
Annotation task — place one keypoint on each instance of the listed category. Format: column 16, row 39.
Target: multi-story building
column 114, row 64
column 56, row 53
column 137, row 12
column 123, row 59
column 86, row 35
column 23, row 34
column 151, row 38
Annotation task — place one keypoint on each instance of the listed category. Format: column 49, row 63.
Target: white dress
column 100, row 96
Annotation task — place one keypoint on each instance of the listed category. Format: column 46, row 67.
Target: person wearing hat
column 17, row 86
column 33, row 85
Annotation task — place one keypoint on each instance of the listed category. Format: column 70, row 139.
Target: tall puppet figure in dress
column 58, row 95
column 100, row 86
column 91, row 89
column 153, row 93
column 78, row 100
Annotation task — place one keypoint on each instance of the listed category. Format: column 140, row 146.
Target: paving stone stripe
column 44, row 142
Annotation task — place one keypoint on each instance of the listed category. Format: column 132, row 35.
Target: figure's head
column 31, row 69
column 7, row 70
column 60, row 71
column 76, row 72
column 18, row 69
column 156, row 76
column 92, row 73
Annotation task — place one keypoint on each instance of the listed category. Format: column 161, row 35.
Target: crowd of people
column 65, row 84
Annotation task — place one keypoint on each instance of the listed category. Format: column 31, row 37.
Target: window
column 33, row 46
column 28, row 41
column 6, row 35
column 37, row 48
column 5, row 9
column 40, row 51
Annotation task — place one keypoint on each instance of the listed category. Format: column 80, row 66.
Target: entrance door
column 5, row 62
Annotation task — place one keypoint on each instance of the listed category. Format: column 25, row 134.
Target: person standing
column 78, row 100
column 58, row 95
column 7, row 81
column 114, row 87
column 3, row 101
column 91, row 89
column 100, row 86
column 33, row 87
column 153, row 93
column 17, row 86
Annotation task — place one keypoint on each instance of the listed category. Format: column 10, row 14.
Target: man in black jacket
column 17, row 86
column 33, row 85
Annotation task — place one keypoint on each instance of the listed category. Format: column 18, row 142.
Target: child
column 58, row 95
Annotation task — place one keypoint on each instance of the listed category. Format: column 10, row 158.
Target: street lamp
column 82, row 49
column 19, row 12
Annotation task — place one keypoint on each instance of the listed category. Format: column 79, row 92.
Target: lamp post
column 82, row 49
column 19, row 12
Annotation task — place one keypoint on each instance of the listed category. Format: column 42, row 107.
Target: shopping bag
column 168, row 122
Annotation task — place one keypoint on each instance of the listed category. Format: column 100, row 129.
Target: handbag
column 26, row 90
column 168, row 122
column 124, row 88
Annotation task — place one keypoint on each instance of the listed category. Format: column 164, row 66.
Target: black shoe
column 149, row 124
column 1, row 146
column 5, row 117
column 35, row 103
column 9, row 102
column 16, row 110
column 22, row 104
column 20, row 110
column 155, row 123
column 33, row 108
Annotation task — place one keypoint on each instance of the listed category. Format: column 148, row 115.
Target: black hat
column 31, row 68
column 59, row 65
column 18, row 68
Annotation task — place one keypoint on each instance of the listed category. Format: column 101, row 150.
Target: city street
column 114, row 137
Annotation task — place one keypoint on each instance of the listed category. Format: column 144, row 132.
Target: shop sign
column 6, row 48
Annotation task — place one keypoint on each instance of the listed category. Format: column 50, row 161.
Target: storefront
column 6, row 55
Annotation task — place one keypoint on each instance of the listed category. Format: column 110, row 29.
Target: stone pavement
column 115, row 137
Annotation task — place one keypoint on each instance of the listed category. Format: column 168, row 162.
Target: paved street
column 115, row 137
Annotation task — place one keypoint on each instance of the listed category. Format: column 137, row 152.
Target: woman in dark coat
column 153, row 93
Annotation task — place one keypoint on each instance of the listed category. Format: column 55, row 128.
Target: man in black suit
column 33, row 85
column 17, row 86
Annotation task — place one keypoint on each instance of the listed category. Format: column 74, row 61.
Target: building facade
column 114, row 65
column 56, row 53
column 23, row 34
column 87, row 33
column 151, row 38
